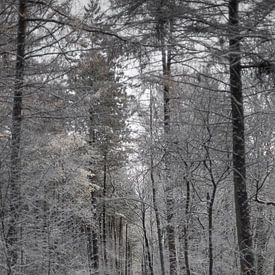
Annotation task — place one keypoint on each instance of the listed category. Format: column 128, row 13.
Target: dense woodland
column 137, row 137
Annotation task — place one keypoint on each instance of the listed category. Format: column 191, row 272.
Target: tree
column 15, row 162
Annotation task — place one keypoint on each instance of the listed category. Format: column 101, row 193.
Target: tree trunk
column 210, row 201
column 147, row 253
column 186, row 237
column 154, row 192
column 166, row 70
column 15, row 165
column 120, row 246
column 126, row 260
column 94, row 231
column 104, row 232
column 239, row 168
column 95, row 255
column 88, row 233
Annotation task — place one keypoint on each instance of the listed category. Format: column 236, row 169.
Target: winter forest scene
column 137, row 137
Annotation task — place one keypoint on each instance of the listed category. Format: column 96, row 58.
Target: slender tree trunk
column 154, row 193
column 120, row 246
column 143, row 261
column 166, row 66
column 147, row 246
column 15, row 165
column 104, row 232
column 95, row 257
column 88, row 233
column 116, row 244
column 239, row 168
column 210, row 201
column 186, row 237
column 94, row 231
column 126, row 250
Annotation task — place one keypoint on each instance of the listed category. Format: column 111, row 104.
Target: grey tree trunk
column 15, row 165
column 94, row 232
column 148, row 258
column 166, row 70
column 185, row 229
column 239, row 168
column 126, row 259
column 104, row 230
column 154, row 193
column 210, row 201
column 120, row 246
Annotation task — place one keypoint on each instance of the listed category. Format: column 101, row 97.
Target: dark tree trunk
column 95, row 254
column 126, row 260
column 185, row 230
column 120, row 246
column 239, row 168
column 154, row 193
column 104, row 232
column 210, row 201
column 147, row 253
column 95, row 221
column 88, row 233
column 166, row 70
column 15, row 165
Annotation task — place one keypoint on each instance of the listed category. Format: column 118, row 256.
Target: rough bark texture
column 94, row 234
column 239, row 168
column 166, row 67
column 15, row 169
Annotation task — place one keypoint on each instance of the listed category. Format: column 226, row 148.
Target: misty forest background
column 137, row 137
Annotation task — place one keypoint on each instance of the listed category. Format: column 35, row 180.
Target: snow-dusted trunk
column 210, row 204
column 166, row 62
column 147, row 254
column 154, row 193
column 185, row 229
column 239, row 168
column 94, row 253
column 104, row 221
column 166, row 70
column 15, row 161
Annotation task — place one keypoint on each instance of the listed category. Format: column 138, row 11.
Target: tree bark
column 166, row 70
column 104, row 232
column 15, row 165
column 185, row 230
column 239, row 168
column 147, row 253
column 154, row 192
column 126, row 260
column 94, row 233
column 120, row 246
column 210, row 201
